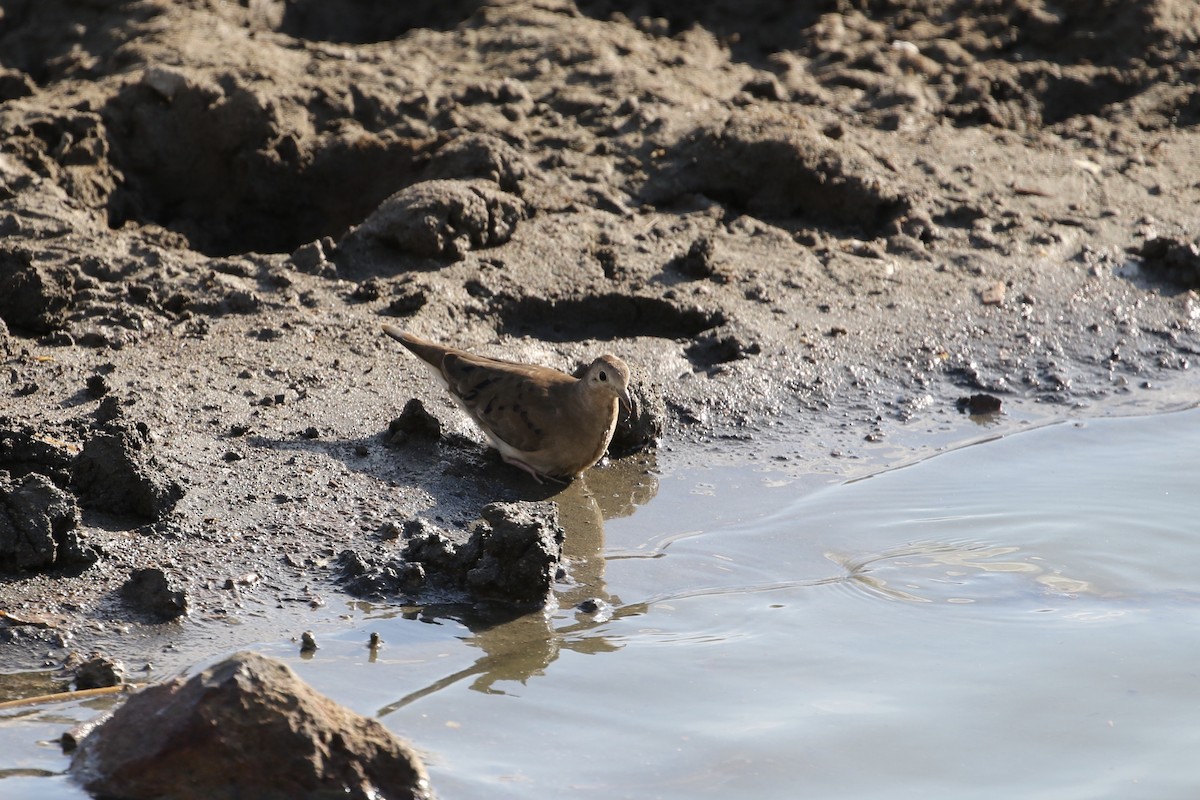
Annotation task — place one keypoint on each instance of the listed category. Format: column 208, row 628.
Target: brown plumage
column 548, row 423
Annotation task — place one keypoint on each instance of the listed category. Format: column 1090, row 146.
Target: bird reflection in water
column 519, row 645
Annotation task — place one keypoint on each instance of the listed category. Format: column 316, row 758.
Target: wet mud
column 810, row 231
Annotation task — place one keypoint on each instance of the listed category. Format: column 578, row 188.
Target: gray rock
column 99, row 672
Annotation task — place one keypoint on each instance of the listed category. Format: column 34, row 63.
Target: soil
column 812, row 229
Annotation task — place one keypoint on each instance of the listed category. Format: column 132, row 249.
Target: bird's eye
column 603, row 375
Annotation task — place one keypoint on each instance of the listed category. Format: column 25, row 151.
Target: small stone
column 414, row 421
column 97, row 385
column 979, row 404
column 99, row 672
column 149, row 590
column 993, row 295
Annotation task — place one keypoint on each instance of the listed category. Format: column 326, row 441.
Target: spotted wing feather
column 505, row 397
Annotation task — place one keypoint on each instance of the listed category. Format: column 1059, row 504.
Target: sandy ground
column 811, row 233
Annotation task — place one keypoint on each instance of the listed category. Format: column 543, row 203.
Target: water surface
column 1013, row 619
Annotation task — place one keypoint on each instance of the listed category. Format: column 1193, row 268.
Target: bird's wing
column 518, row 404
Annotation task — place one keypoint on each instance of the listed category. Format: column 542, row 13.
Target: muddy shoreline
column 807, row 244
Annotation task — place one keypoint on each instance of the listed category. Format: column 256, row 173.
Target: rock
column 99, row 672
column 444, row 219
column 246, row 727
column 414, row 421
column 38, row 524
column 151, row 592
column 32, row 298
column 642, row 426
column 979, row 404
column 116, row 472
column 993, row 294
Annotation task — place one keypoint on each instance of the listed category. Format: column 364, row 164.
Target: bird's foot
column 516, row 462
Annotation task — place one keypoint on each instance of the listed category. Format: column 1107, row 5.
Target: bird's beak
column 627, row 403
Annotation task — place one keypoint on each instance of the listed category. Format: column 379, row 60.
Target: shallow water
column 1016, row 618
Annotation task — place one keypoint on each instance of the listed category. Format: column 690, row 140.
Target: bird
column 546, row 422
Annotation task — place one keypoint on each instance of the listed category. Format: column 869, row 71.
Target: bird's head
column 610, row 375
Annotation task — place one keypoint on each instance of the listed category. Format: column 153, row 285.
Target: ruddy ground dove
column 548, row 423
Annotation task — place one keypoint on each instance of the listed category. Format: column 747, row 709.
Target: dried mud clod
column 33, row 298
column 39, row 526
column 642, row 426
column 1173, row 260
column 771, row 165
column 509, row 557
column 414, row 422
column 116, row 472
column 481, row 155
column 443, row 219
column 151, row 592
column 24, row 451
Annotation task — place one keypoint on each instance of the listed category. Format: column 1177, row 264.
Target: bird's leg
column 516, row 462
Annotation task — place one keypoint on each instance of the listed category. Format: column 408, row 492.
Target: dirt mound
column 225, row 162
column 773, row 165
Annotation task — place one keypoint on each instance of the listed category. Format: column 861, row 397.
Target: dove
column 546, row 422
